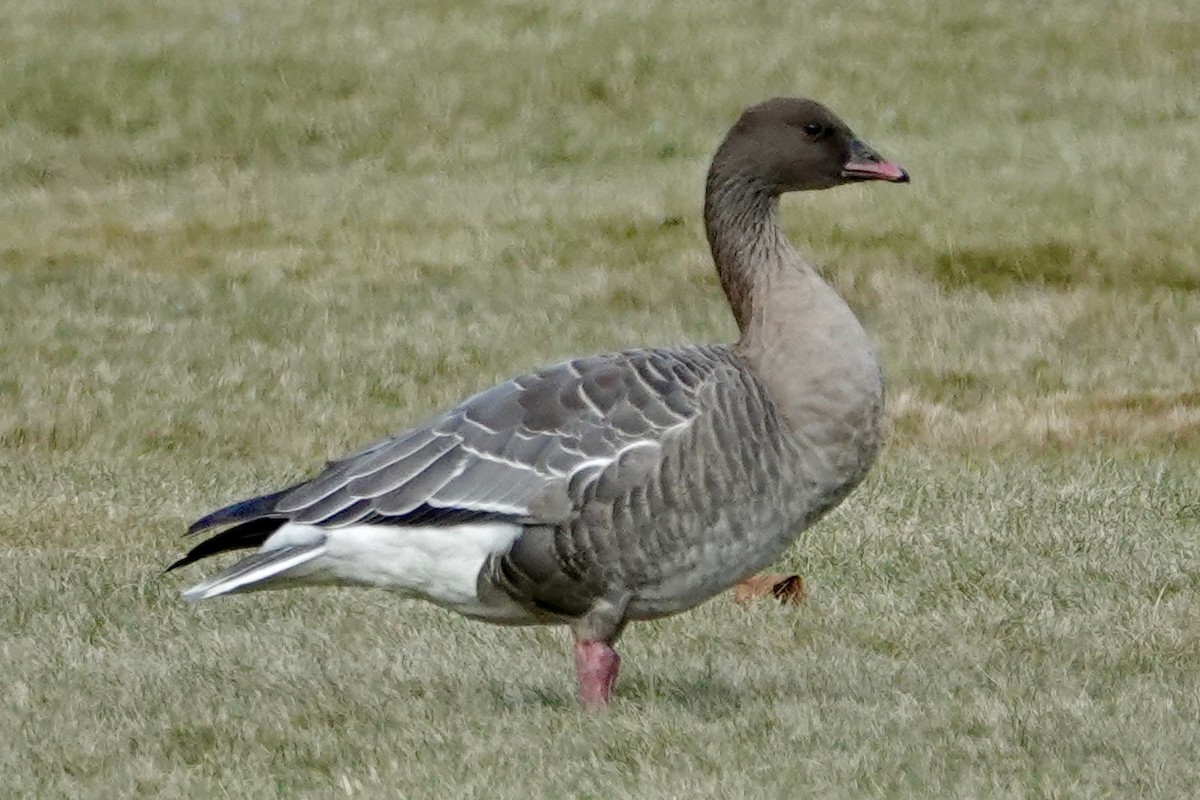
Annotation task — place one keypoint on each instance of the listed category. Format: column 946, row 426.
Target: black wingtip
column 241, row 511
column 251, row 533
column 182, row 562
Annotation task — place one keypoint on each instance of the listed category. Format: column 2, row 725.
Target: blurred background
column 238, row 239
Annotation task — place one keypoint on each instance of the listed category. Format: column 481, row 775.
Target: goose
column 620, row 487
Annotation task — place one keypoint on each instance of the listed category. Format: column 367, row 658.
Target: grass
column 237, row 240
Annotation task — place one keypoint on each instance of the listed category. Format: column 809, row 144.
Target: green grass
column 238, row 240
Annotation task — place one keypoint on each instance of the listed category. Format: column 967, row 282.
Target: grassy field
column 238, row 239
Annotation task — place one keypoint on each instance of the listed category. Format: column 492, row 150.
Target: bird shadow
column 700, row 693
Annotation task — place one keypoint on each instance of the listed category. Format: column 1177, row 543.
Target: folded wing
column 524, row 450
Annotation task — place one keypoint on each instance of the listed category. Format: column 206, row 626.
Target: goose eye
column 814, row 130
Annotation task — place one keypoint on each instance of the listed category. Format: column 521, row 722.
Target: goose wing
column 523, row 450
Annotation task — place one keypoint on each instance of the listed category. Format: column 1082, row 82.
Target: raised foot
column 596, row 666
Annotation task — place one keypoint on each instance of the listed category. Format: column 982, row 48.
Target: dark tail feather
column 248, row 534
column 240, row 511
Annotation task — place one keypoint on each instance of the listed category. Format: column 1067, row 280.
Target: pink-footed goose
column 616, row 487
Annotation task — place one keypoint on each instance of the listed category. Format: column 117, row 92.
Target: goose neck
column 748, row 245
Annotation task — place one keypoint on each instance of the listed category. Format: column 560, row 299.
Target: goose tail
column 264, row 570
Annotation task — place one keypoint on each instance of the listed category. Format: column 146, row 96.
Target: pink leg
column 596, row 665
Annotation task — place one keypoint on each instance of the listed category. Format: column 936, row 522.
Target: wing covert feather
column 526, row 449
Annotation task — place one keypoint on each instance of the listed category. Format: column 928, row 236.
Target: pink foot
column 596, row 665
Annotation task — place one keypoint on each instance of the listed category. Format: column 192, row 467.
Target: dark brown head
column 792, row 144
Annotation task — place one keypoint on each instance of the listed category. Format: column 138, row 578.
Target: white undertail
column 436, row 563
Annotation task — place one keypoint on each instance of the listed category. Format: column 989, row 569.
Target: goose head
column 794, row 144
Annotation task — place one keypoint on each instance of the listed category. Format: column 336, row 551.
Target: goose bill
column 874, row 171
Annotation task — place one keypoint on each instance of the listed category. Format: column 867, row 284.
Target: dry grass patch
column 1139, row 422
column 235, row 241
